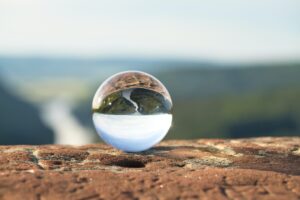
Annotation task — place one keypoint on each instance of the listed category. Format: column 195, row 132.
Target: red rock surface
column 258, row 168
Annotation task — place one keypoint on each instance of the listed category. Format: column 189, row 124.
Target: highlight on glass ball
column 132, row 111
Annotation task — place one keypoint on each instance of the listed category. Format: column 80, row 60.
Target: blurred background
column 232, row 67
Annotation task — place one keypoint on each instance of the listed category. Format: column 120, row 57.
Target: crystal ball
column 132, row 111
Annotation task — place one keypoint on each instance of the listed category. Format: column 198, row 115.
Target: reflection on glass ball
column 132, row 111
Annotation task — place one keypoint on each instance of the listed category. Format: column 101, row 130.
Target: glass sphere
column 132, row 111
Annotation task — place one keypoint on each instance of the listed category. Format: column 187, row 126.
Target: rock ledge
column 256, row 168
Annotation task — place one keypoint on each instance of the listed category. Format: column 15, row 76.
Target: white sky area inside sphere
column 132, row 132
column 232, row 30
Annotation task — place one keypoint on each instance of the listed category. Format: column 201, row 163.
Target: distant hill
column 20, row 122
column 229, row 102
column 213, row 82
column 22, row 69
column 210, row 100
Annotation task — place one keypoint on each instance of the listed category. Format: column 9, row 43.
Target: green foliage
column 231, row 102
column 214, row 117
column 115, row 103
column 150, row 102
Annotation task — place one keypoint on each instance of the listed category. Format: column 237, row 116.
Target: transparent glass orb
column 132, row 111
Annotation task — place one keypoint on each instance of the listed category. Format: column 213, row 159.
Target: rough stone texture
column 258, row 168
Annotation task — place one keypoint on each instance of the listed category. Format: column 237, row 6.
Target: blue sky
column 232, row 30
